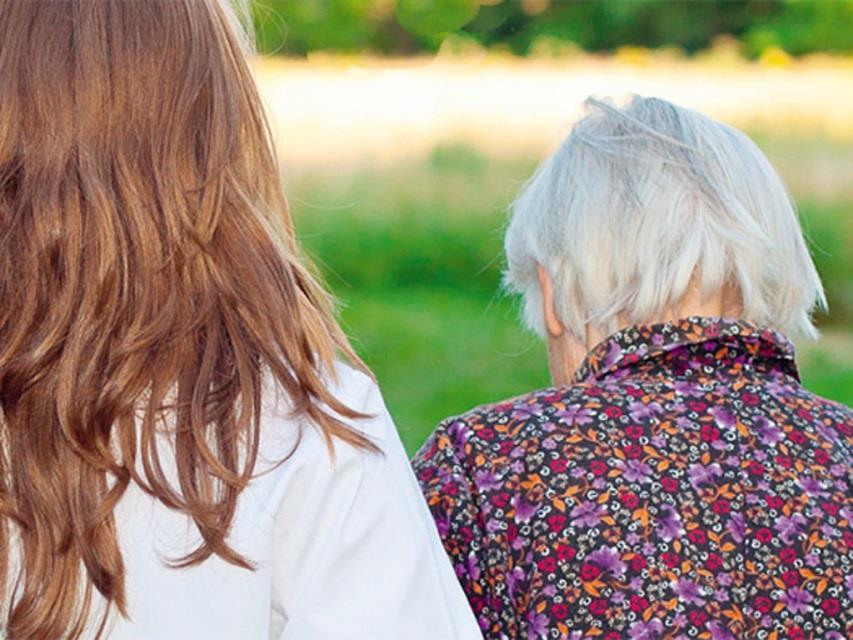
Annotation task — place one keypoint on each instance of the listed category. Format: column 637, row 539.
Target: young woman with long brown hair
column 183, row 455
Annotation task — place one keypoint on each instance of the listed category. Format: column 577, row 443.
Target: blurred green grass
column 413, row 254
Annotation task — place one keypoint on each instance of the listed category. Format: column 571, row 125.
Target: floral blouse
column 686, row 486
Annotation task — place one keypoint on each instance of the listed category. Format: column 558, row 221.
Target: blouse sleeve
column 447, row 489
column 357, row 555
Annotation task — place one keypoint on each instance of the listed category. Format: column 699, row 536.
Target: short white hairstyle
column 639, row 200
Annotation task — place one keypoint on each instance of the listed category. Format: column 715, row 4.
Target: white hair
column 639, row 200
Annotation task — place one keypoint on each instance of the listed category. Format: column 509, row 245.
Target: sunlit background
column 405, row 128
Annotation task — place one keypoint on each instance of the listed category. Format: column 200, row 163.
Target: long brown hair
column 148, row 274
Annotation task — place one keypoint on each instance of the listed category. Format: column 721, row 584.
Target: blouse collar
column 640, row 343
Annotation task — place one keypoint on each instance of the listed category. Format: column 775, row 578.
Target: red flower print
column 589, row 572
column 697, row 536
column 613, row 412
column 558, row 465
column 714, row 561
column 830, row 606
column 598, row 468
column 796, row 633
column 774, row 502
column 821, row 456
column 791, row 577
column 831, row 508
column 696, row 405
column 764, row 535
column 634, row 431
column 721, row 506
column 560, row 611
column 638, row 563
column 709, row 433
column 797, row 437
column 697, row 618
column 629, row 499
column 756, row 468
column 633, row 451
column 848, row 538
column 598, row 607
column 486, row 434
column 557, row 522
column 784, row 461
column 750, row 399
column 670, row 485
column 787, row 555
column 547, row 564
column 638, row 604
column 671, row 560
column 565, row 553
column 763, row 604
column 505, row 447
column 500, row 500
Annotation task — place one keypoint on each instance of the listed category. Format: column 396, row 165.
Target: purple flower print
column 459, row 433
column 828, row 433
column 796, row 600
column 737, row 527
column 689, row 592
column 788, row 527
column 688, row 388
column 587, row 514
column 515, row 578
column 575, row 414
column 718, row 631
column 537, row 625
column 636, row 471
column 486, row 480
column 472, row 569
column 614, row 352
column 524, row 510
column 645, row 630
column 669, row 524
column 700, row 474
column 768, row 433
column 812, row 487
column 607, row 559
column 525, row 411
column 641, row 412
column 723, row 417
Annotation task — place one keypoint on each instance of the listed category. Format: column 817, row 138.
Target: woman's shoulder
column 285, row 435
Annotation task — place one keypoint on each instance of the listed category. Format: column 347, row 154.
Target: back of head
column 149, row 275
column 640, row 204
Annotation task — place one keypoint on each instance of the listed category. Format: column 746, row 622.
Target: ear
column 553, row 323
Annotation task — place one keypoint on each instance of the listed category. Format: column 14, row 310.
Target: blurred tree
column 402, row 27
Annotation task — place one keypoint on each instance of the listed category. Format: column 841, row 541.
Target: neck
column 566, row 351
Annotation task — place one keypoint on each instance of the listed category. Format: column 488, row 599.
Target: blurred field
column 399, row 173
column 413, row 253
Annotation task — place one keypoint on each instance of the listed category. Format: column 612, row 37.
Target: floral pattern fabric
column 685, row 486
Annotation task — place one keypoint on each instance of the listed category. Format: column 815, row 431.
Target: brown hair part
column 149, row 274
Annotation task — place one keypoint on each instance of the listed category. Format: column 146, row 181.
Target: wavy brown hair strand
column 151, row 281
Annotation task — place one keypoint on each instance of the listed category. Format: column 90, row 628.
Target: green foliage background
column 402, row 27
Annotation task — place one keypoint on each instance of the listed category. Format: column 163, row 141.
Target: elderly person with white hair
column 677, row 481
